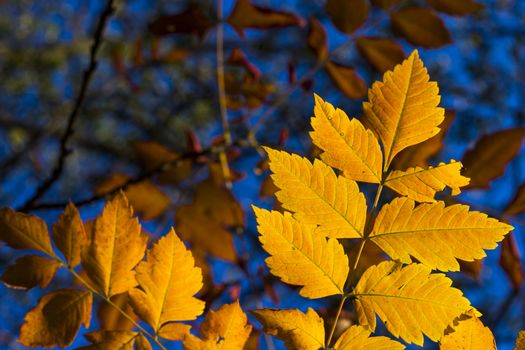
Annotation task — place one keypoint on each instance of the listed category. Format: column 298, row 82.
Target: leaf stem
column 332, row 331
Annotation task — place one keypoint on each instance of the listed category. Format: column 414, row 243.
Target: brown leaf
column 421, row 27
column 517, row 205
column 247, row 15
column 146, row 199
column 471, row 268
column 347, row 15
column 193, row 20
column 419, row 155
column 21, row 231
column 56, row 319
column 385, row 4
column 30, row 271
column 110, row 318
column 70, row 235
column 317, row 41
column 455, row 7
column 141, row 343
column 382, row 54
column 488, row 159
column 346, row 79
column 510, row 261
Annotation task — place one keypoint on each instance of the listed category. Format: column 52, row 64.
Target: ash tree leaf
column 409, row 300
column 174, row 331
column 317, row 196
column 70, row 235
column 30, row 271
column 56, row 319
column 469, row 333
column 422, row 184
column 114, row 340
column 434, row 234
column 347, row 145
column 115, row 249
column 421, row 27
column 382, row 54
column 490, row 156
column 227, row 328
column 142, row 343
column 403, row 109
column 110, row 318
column 347, row 15
column 358, row 338
column 168, row 281
column 297, row 329
column 300, row 255
column 22, row 231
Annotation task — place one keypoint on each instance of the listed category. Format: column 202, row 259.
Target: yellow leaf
column 317, row 196
column 114, row 340
column 56, row 319
column 111, row 319
column 174, row 331
column 409, row 300
column 520, row 341
column 30, row 271
column 168, row 281
column 225, row 328
column 434, row 234
column 142, row 343
column 21, row 231
column 358, row 338
column 469, row 334
column 115, row 249
column 403, row 108
column 298, row 330
column 422, row 184
column 347, row 145
column 70, row 235
column 302, row 256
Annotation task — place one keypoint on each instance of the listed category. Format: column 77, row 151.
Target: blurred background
column 153, row 122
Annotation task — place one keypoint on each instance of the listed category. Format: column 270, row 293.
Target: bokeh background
column 154, row 95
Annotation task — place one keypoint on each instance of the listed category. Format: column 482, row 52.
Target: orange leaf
column 30, row 271
column 382, row 54
column 110, row 318
column 421, row 27
column 70, row 235
column 346, row 79
column 491, row 154
column 347, row 15
column 455, row 7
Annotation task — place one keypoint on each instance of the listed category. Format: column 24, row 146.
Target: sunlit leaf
column 174, row 331
column 70, row 235
column 469, row 333
column 358, row 338
column 118, row 340
column 110, row 318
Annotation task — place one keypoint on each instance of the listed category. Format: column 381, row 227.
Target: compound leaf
column 469, row 333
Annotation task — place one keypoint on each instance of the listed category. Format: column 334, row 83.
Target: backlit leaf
column 347, row 15
column 454, row 7
column 298, row 330
column 422, row 184
column 469, row 333
column 434, row 234
column 403, row 108
column 174, row 331
column 30, row 271
column 347, row 145
column 520, row 341
column 114, row 340
column 358, row 338
column 70, row 235
column 302, row 256
column 110, row 318
column 488, row 159
column 382, row 54
column 115, row 249
column 56, row 319
column 21, row 231
column 346, row 79
column 421, row 27
column 409, row 300
column 168, row 281
column 227, row 328
column 317, row 196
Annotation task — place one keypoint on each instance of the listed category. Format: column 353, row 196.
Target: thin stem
column 332, row 331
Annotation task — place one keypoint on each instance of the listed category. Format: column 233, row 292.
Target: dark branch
column 88, row 74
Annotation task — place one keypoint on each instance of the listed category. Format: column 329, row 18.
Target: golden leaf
column 409, row 300
column 422, row 184
column 302, row 256
column 298, row 330
column 70, row 235
column 30, row 271
column 21, row 231
column 111, row 319
column 225, row 328
column 347, row 145
column 168, row 281
column 141, row 343
column 115, row 249
column 520, row 341
column 469, row 333
column 56, row 319
column 174, row 331
column 114, row 340
column 434, row 234
column 403, row 108
column 358, row 338
column 317, row 196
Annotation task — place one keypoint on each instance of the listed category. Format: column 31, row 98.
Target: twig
column 88, row 74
